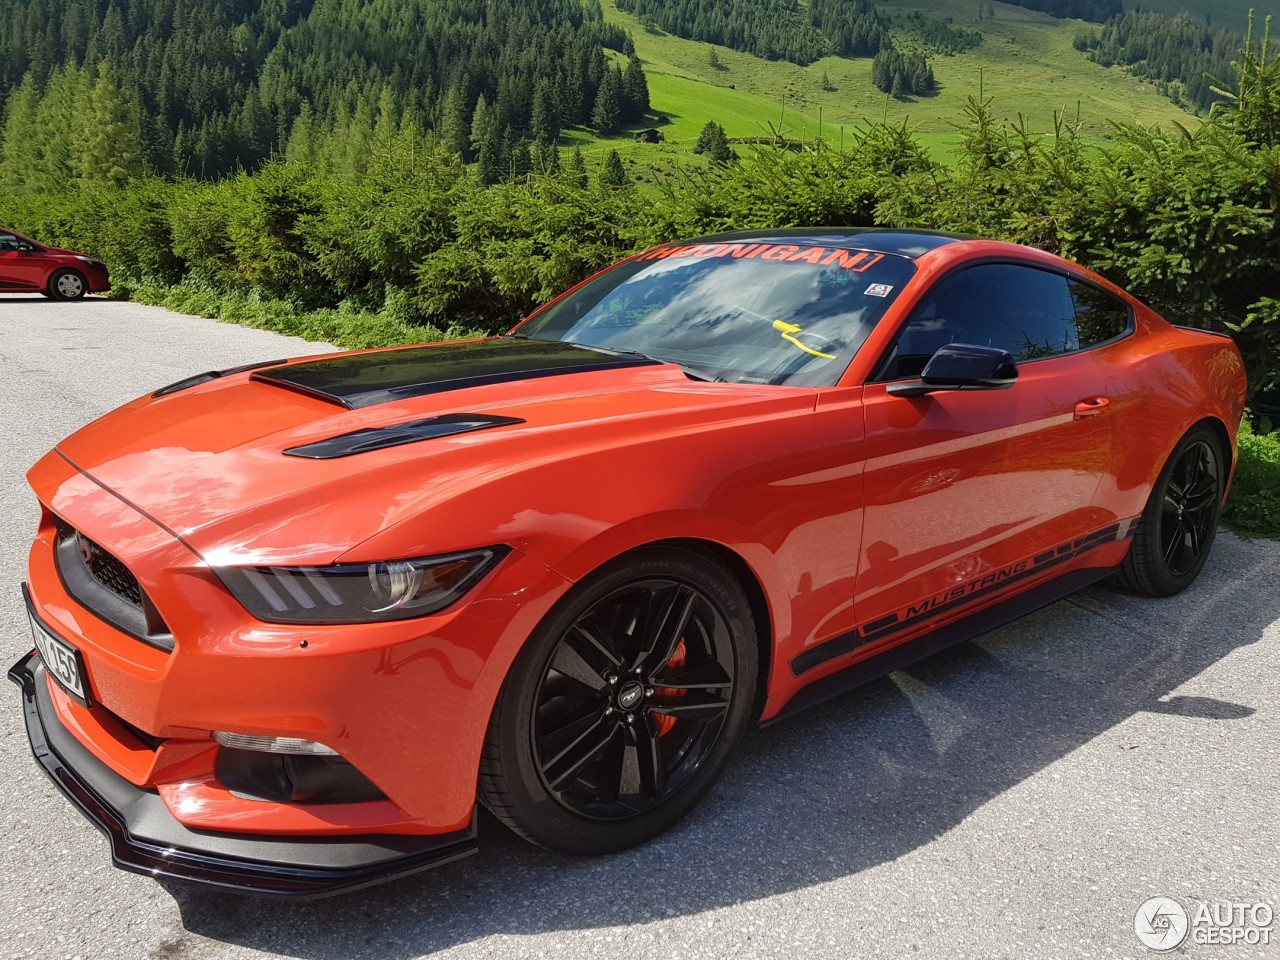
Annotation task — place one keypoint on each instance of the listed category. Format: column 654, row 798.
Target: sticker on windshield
column 859, row 261
column 879, row 290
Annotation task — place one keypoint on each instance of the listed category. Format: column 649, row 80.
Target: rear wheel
column 1177, row 527
column 624, row 706
column 67, row 285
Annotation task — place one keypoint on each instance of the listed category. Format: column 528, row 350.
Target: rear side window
column 1099, row 315
column 1031, row 313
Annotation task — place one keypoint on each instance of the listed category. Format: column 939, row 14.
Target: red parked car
column 296, row 619
column 30, row 267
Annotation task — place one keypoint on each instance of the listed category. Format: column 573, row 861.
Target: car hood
column 208, row 460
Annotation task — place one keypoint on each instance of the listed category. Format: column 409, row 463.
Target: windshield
column 741, row 312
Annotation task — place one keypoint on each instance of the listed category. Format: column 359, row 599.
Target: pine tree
column 521, row 160
column 920, row 77
column 386, row 128
column 109, row 137
column 489, row 163
column 506, row 153
column 484, row 125
column 545, row 125
column 606, row 116
column 355, row 141
column 546, row 159
column 452, row 127
column 899, row 88
column 63, row 124
column 254, row 131
column 713, row 143
column 881, row 75
column 576, row 169
column 20, row 165
column 637, row 86
column 302, row 147
column 612, row 171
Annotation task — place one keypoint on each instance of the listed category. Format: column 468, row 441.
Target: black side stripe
column 935, row 606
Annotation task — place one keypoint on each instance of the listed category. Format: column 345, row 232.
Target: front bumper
column 145, row 837
column 99, row 281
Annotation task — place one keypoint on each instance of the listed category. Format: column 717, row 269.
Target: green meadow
column 1026, row 63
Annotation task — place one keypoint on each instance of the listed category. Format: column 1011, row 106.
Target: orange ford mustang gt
column 293, row 620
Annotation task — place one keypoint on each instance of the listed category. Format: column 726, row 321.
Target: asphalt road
column 1016, row 797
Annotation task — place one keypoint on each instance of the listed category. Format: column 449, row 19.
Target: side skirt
column 949, row 635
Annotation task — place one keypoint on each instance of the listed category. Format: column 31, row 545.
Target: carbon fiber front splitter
column 145, row 838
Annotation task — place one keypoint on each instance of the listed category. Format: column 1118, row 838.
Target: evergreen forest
column 102, row 90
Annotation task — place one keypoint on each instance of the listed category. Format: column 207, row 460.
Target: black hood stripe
column 370, row 378
column 212, row 375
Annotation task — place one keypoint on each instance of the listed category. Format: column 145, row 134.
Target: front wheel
column 624, row 706
column 67, row 285
column 1178, row 525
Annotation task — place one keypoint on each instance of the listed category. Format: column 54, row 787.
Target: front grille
column 109, row 571
column 105, row 587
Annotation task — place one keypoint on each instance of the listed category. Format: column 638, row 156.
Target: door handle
column 1091, row 407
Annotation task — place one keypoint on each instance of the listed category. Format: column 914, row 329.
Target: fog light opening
column 292, row 777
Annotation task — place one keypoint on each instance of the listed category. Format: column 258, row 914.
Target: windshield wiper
column 692, row 372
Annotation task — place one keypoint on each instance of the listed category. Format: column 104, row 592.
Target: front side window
column 9, row 242
column 744, row 312
column 1029, row 312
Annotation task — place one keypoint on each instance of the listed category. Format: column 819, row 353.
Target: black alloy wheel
column 1189, row 509
column 636, row 693
column 623, row 707
column 1176, row 531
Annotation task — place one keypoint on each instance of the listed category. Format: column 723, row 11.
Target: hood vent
column 379, row 438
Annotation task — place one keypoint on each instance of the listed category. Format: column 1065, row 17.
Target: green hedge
column 1185, row 220
column 1254, row 505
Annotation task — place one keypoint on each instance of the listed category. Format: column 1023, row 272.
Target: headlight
column 96, row 264
column 358, row 592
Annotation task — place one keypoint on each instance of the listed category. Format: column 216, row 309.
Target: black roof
column 904, row 243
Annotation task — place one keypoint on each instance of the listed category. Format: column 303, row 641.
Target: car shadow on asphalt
column 845, row 787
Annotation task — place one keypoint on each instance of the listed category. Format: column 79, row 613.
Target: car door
column 9, row 260
column 964, row 489
column 22, row 266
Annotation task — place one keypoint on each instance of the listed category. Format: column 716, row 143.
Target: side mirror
column 26, row 248
column 961, row 366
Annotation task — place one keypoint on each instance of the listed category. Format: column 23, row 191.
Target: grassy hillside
column 1026, row 62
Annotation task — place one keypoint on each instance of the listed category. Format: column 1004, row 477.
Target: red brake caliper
column 662, row 723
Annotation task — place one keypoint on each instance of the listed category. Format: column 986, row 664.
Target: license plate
column 61, row 659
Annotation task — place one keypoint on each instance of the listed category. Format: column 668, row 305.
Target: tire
column 67, row 285
column 661, row 636
column 1176, row 530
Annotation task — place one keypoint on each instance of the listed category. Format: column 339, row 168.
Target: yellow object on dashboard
column 789, row 331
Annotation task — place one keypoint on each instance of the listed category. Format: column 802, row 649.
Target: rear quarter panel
column 1170, row 379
